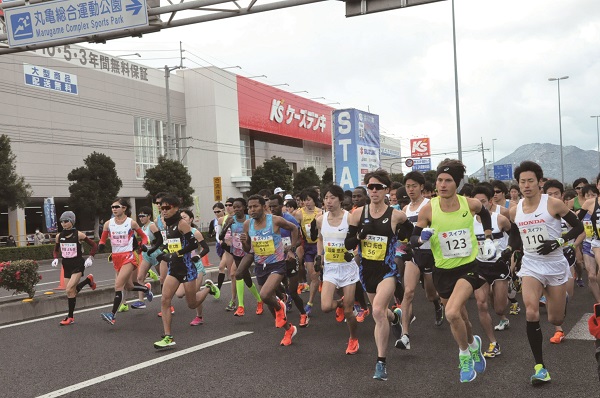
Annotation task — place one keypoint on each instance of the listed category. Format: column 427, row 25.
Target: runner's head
column 158, row 198
column 414, row 182
column 360, row 197
column 239, row 207
column 554, row 188
column 528, row 174
column 309, row 197
column 188, row 217
column 589, row 192
column 229, row 206
column 291, row 205
column 256, row 207
column 449, row 174
column 334, row 196
column 67, row 219
column 276, row 204
column 402, row 196
column 347, row 203
column 579, row 183
column 120, row 206
column 500, row 191
column 482, row 194
column 378, row 185
column 568, row 195
column 219, row 209
column 169, row 206
column 515, row 194
column 428, row 190
column 145, row 215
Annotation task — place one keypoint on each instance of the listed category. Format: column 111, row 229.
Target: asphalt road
column 230, row 356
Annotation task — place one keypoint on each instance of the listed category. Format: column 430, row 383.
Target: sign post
column 503, row 172
column 217, row 189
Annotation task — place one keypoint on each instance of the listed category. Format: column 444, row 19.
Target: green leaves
column 15, row 191
column 170, row 176
column 273, row 173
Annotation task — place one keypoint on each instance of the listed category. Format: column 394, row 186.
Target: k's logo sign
column 419, row 148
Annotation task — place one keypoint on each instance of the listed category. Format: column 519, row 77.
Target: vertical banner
column 196, row 208
column 50, row 215
column 355, row 146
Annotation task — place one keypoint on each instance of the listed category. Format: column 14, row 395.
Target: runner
column 68, row 247
column 515, row 195
column 214, row 228
column 339, row 268
column 499, row 198
column 448, row 221
column 576, row 203
column 592, row 207
column 162, row 265
column 537, row 218
column 227, row 262
column 262, row 234
column 359, row 199
column 181, row 242
column 374, row 227
column 148, row 260
column 121, row 229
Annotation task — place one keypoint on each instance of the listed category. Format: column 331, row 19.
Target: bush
column 20, row 276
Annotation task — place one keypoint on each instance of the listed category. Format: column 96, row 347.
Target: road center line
column 134, row 368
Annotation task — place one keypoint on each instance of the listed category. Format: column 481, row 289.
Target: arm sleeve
column 192, row 243
column 577, row 226
column 142, row 235
column 56, row 252
column 514, row 237
column 211, row 228
column 93, row 245
column 351, row 240
column 581, row 214
column 486, row 219
column 405, row 230
column 414, row 238
column 158, row 241
column 205, row 248
column 102, row 242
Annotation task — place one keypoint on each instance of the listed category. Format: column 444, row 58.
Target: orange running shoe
column 289, row 334
column 239, row 312
column 320, row 287
column 352, row 346
column 300, row 287
column 92, row 283
column 67, row 321
column 558, row 337
column 339, row 314
column 172, row 312
column 280, row 318
column 303, row 320
column 259, row 308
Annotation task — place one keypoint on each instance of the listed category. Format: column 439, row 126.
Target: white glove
column 489, row 249
column 88, row 262
column 55, row 263
column 426, row 234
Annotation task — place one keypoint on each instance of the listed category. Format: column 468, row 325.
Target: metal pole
column 458, row 135
column 485, row 174
column 562, row 165
column 493, row 159
column 169, row 129
column 598, row 134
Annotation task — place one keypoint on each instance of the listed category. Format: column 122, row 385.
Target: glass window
column 151, row 141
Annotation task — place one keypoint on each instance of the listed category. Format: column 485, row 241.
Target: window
column 245, row 155
column 151, row 141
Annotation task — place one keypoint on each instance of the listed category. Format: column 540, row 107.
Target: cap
column 68, row 215
column 288, row 197
column 278, row 190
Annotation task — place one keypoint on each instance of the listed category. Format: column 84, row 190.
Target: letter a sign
column 419, row 148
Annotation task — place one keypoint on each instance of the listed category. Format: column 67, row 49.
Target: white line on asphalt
column 134, row 368
column 581, row 331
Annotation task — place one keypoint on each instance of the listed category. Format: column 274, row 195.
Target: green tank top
column 453, row 243
column 576, row 204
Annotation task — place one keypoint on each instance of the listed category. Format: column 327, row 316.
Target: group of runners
column 365, row 252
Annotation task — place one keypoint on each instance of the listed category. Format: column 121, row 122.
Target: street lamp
column 598, row 133
column 252, row 77
column 562, row 164
column 493, row 158
column 280, row 84
column 130, row 55
column 232, row 67
column 298, row 92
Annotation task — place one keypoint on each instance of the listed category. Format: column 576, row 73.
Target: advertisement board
column 420, row 148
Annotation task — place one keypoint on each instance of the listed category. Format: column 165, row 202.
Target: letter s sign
column 344, row 123
column 419, row 148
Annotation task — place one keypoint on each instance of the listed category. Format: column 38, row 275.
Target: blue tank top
column 237, row 228
column 267, row 245
column 149, row 233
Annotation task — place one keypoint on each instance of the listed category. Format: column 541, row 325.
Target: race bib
column 287, row 241
column 119, row 239
column 480, row 253
column 68, row 250
column 173, row 245
column 263, row 245
column 334, row 252
column 236, row 242
column 455, row 243
column 588, row 228
column 373, row 247
column 533, row 237
column 164, row 235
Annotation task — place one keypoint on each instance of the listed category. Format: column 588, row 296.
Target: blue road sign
column 503, row 172
column 63, row 19
column 422, row 164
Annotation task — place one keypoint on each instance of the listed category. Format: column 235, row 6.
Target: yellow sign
column 217, row 189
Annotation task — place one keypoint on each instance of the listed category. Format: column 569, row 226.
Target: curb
column 16, row 311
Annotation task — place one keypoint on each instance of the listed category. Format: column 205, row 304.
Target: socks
column 248, row 279
column 82, row 284
column 381, row 359
column 117, row 302
column 71, row 306
column 534, row 335
column 220, row 280
column 239, row 287
column 139, row 288
column 437, row 304
column 473, row 346
column 254, row 292
column 464, row 352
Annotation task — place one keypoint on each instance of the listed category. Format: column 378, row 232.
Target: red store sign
column 268, row 109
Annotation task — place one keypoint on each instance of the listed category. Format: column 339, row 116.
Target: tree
column 95, row 187
column 306, row 178
column 15, row 192
column 273, row 173
column 327, row 178
column 430, row 176
column 473, row 180
column 397, row 177
column 170, row 176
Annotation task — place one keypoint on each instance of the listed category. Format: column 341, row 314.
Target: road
column 230, row 356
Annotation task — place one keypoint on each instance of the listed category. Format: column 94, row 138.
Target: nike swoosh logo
column 341, row 229
column 537, row 215
column 465, row 213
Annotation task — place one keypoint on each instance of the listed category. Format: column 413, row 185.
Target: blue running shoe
column 149, row 295
column 138, row 305
column 477, row 356
column 543, row 301
column 288, row 303
column 108, row 317
column 380, row 371
column 541, row 375
column 308, row 309
column 467, row 371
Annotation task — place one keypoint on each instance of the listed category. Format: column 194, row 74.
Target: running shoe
column 108, row 317
column 172, row 312
column 153, row 275
column 380, row 371
column 339, row 314
column 303, row 320
column 166, row 342
column 289, row 334
column 360, row 315
column 308, row 308
column 477, row 356
column 439, row 315
column 300, row 288
column 259, row 308
column 149, row 294
column 320, row 287
column 67, row 321
column 514, row 309
column 397, row 327
column 403, row 342
column 215, row 291
column 543, row 301
column 280, row 318
column 289, row 302
column 540, row 376
column 503, row 325
column 352, row 346
column 92, row 283
column 306, row 287
column 231, row 306
column 493, row 350
column 197, row 321
column 239, row 312
column 138, row 305
column 579, row 282
column 467, row 371
column 558, row 337
column 123, row 308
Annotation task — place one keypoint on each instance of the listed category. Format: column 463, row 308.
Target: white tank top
column 413, row 215
column 497, row 235
column 333, row 240
column 497, row 210
column 538, row 226
column 121, row 236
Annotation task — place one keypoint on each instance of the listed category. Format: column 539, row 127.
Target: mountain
column 577, row 162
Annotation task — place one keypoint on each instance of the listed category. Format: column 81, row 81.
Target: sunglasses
column 497, row 191
column 376, row 187
column 142, row 215
column 116, row 207
column 64, row 221
column 166, row 207
column 218, row 211
column 228, row 204
column 578, row 188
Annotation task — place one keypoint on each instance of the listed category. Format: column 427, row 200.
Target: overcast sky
column 399, row 65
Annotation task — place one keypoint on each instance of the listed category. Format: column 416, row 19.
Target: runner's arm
column 352, row 240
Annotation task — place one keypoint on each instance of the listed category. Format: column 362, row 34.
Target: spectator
column 38, row 238
column 10, row 242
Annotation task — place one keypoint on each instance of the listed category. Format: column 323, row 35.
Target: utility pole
column 485, row 174
column 169, row 122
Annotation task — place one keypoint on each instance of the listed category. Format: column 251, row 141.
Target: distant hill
column 578, row 162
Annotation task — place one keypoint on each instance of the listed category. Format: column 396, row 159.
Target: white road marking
column 581, row 331
column 134, row 368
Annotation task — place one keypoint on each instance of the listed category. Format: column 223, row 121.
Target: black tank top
column 176, row 240
column 380, row 246
column 70, row 247
column 595, row 218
